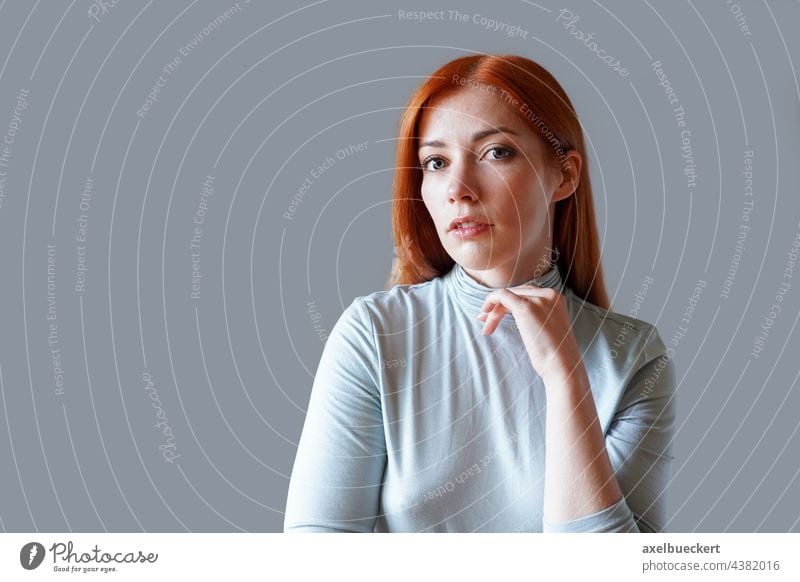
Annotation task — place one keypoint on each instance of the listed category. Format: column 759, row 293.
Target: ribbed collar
column 470, row 294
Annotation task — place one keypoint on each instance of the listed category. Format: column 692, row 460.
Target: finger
column 493, row 318
column 502, row 301
column 510, row 300
column 521, row 291
column 543, row 299
column 490, row 305
column 532, row 291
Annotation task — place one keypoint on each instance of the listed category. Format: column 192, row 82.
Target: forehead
column 459, row 114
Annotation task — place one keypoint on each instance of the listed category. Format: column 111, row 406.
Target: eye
column 433, row 163
column 499, row 152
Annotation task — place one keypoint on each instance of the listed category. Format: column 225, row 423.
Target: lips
column 469, row 219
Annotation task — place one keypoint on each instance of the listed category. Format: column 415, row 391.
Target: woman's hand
column 579, row 479
column 543, row 321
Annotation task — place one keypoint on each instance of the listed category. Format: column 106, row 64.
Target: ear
column 570, row 164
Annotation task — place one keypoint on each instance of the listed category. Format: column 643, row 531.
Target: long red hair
column 420, row 254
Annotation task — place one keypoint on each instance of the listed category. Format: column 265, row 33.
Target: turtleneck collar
column 470, row 294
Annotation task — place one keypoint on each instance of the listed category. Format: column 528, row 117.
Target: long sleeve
column 638, row 444
column 341, row 456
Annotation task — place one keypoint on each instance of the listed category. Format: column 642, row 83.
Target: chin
column 477, row 261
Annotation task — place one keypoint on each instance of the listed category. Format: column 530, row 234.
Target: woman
column 489, row 389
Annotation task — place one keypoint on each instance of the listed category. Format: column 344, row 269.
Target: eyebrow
column 476, row 137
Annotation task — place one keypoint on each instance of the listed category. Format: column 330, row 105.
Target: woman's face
column 480, row 159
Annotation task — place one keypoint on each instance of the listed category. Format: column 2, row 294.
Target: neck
column 503, row 278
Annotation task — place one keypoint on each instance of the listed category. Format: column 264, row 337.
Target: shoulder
column 401, row 301
column 626, row 359
column 372, row 320
column 606, row 316
column 626, row 339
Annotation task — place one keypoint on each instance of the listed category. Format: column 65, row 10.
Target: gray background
column 258, row 103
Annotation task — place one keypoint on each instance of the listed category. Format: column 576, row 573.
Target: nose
column 461, row 189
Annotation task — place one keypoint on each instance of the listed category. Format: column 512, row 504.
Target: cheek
column 423, row 190
column 528, row 209
column 426, row 193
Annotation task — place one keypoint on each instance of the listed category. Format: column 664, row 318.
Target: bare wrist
column 567, row 379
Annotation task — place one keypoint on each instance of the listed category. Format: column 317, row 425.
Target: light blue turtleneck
column 418, row 423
